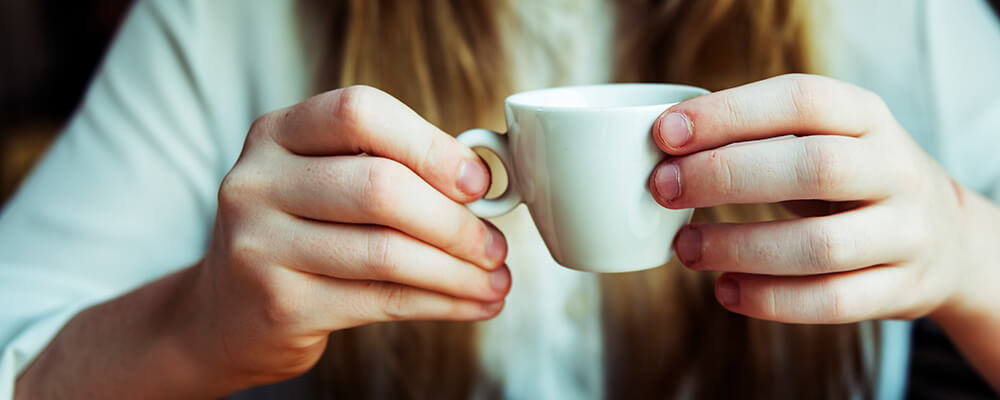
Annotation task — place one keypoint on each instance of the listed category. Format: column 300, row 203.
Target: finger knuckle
column 735, row 113
column 280, row 306
column 769, row 306
column 805, row 93
column 395, row 300
column 740, row 249
column 382, row 181
column 433, row 147
column 245, row 247
column 353, row 105
column 381, row 263
column 241, row 186
column 260, row 128
column 725, row 181
column 825, row 251
column 278, row 311
column 837, row 307
column 822, row 168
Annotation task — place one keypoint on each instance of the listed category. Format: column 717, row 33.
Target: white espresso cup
column 580, row 158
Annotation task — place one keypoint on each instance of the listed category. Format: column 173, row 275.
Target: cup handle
column 497, row 143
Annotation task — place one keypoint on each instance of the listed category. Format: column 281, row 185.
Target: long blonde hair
column 665, row 335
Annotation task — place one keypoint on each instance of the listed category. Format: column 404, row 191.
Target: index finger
column 783, row 105
column 362, row 119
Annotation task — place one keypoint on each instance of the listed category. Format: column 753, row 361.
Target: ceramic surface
column 580, row 158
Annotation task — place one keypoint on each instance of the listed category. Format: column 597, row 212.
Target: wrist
column 191, row 337
column 136, row 345
column 974, row 297
column 166, row 342
column 970, row 316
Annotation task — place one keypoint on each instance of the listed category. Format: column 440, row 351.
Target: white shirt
column 127, row 194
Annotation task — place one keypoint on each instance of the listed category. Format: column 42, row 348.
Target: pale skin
column 310, row 238
column 894, row 237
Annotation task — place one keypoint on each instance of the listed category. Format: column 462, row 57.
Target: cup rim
column 518, row 99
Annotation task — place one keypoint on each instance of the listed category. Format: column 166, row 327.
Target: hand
column 310, row 237
column 882, row 235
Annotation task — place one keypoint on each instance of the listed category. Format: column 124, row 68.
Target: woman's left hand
column 883, row 232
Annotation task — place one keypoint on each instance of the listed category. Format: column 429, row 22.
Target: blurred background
column 49, row 49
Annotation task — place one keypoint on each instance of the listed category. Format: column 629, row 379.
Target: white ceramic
column 580, row 158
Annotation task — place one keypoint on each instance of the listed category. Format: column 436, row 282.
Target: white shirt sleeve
column 127, row 193
column 963, row 46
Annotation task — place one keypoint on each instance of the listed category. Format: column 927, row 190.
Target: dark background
column 49, row 49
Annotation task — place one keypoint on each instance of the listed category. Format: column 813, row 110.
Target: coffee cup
column 580, row 158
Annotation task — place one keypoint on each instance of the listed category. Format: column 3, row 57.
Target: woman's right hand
column 310, row 237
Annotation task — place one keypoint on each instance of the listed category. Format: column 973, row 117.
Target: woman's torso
column 220, row 64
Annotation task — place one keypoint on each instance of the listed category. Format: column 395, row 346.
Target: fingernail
column 492, row 307
column 667, row 180
column 689, row 245
column 675, row 129
column 500, row 279
column 496, row 246
column 728, row 291
column 472, row 177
